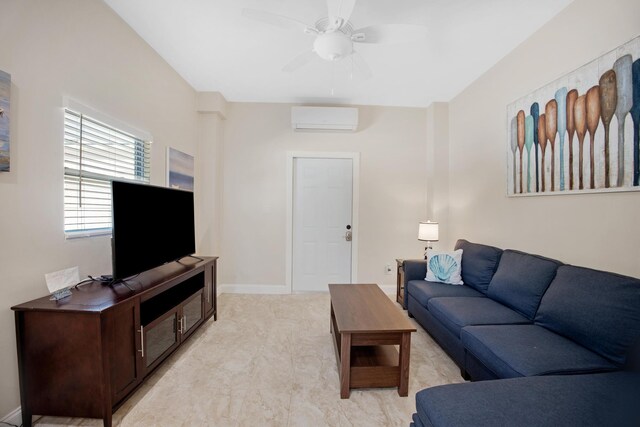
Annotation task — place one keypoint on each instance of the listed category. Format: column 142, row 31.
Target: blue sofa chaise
column 592, row 400
column 528, row 318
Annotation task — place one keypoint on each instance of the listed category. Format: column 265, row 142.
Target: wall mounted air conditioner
column 324, row 119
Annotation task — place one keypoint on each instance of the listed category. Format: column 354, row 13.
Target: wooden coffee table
column 366, row 327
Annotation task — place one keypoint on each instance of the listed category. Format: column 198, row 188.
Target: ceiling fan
column 335, row 36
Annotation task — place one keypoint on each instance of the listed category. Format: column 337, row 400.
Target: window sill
column 70, row 235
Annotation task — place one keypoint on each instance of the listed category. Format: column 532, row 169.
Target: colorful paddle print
column 571, row 129
column 535, row 113
column 561, row 100
column 635, row 116
column 528, row 143
column 582, row 102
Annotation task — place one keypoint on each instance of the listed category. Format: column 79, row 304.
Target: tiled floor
column 269, row 361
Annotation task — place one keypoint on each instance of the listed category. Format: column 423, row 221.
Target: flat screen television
column 151, row 226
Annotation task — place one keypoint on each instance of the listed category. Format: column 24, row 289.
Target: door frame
column 355, row 203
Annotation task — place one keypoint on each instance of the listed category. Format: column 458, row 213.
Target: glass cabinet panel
column 192, row 311
column 160, row 337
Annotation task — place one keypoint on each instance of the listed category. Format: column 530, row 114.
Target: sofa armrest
column 414, row 269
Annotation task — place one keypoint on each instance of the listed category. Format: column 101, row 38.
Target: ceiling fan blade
column 278, row 20
column 390, row 34
column 299, row 61
column 339, row 13
column 361, row 66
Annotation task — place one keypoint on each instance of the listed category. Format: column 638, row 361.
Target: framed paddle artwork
column 581, row 132
column 5, row 91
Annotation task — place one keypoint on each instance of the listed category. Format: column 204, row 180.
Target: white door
column 322, row 200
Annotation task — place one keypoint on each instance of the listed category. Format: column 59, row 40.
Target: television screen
column 151, row 226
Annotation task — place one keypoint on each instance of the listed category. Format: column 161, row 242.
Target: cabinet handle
column 141, row 340
column 180, row 326
column 184, row 324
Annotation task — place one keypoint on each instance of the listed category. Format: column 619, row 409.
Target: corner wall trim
column 13, row 417
column 388, row 289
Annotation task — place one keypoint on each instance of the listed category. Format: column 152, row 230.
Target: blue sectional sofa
column 594, row 400
column 556, row 341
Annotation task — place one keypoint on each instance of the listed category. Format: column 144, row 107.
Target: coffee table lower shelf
column 374, row 366
column 369, row 365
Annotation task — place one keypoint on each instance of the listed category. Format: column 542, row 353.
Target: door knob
column 347, row 236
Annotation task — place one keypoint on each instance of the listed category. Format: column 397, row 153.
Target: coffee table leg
column 345, row 365
column 405, row 349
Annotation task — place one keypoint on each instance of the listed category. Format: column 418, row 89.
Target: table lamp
column 428, row 232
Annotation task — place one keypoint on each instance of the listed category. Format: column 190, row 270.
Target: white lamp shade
column 428, row 231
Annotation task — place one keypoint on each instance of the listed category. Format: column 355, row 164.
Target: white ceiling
column 214, row 48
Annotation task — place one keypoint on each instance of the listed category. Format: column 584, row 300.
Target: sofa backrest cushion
column 596, row 309
column 521, row 280
column 479, row 263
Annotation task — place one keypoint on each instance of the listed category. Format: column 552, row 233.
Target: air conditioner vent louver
column 324, row 119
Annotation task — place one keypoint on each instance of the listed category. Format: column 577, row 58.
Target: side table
column 400, row 282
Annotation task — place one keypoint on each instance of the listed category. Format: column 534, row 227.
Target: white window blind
column 94, row 155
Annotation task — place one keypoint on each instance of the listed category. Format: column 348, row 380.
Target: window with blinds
column 94, row 155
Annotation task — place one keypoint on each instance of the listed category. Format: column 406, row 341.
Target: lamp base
column 426, row 248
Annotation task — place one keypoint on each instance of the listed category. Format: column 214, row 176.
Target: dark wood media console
column 84, row 355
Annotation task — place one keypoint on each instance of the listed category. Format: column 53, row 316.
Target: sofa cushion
column 526, row 350
column 577, row 400
column 521, row 280
column 479, row 263
column 456, row 313
column 448, row 342
column 423, row 291
column 596, row 309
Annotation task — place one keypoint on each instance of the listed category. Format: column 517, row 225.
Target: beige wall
column 391, row 143
column 438, row 170
column 83, row 50
column 598, row 230
column 209, row 166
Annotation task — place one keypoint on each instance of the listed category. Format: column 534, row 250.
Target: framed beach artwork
column 579, row 134
column 5, row 92
column 180, row 170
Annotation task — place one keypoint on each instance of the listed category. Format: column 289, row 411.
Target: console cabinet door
column 161, row 337
column 121, row 331
column 208, row 290
column 192, row 313
column 214, row 288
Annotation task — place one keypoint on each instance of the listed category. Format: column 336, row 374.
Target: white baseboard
column 253, row 289
column 388, row 289
column 276, row 289
column 14, row 417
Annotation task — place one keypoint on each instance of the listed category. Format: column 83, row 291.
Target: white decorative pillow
column 444, row 267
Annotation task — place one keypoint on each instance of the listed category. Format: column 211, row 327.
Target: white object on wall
column 324, row 118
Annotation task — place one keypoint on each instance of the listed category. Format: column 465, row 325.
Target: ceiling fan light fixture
column 333, row 46
column 334, row 24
